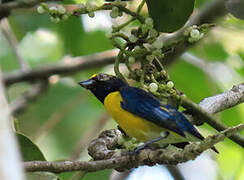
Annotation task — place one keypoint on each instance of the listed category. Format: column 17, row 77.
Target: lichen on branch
column 128, row 161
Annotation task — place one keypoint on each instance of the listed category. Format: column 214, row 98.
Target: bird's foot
column 141, row 147
column 136, row 150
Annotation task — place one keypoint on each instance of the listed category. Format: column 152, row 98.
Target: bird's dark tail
column 196, row 133
column 215, row 150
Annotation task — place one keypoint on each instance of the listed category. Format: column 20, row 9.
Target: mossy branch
column 120, row 161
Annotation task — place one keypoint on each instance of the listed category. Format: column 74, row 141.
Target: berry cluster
column 194, row 34
column 56, row 13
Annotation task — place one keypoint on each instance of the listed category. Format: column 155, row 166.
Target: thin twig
column 9, row 35
column 5, row 8
column 195, row 61
column 116, row 65
column 139, row 8
column 109, row 6
column 23, row 101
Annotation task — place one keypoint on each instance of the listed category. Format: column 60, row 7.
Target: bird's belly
column 133, row 125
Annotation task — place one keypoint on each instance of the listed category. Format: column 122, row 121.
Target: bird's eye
column 103, row 77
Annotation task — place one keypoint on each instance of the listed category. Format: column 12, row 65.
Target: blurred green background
column 63, row 114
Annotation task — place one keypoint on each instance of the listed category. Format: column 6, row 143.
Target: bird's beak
column 87, row 84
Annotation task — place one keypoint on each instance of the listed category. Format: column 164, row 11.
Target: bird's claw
column 138, row 149
column 141, row 147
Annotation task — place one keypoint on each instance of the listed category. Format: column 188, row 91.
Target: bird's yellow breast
column 133, row 125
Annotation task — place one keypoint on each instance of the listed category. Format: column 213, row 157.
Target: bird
column 140, row 114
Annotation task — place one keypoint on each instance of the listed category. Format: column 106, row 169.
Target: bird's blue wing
column 143, row 104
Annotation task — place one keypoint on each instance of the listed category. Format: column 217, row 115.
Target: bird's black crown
column 103, row 84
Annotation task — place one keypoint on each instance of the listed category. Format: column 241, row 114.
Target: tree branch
column 216, row 103
column 224, row 100
column 203, row 116
column 9, row 154
column 128, row 161
column 5, row 8
column 68, row 65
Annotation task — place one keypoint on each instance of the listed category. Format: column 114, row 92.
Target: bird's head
column 102, row 84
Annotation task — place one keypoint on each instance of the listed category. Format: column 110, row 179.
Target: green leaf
column 215, row 51
column 29, row 150
column 41, row 176
column 199, row 3
column 19, row 25
column 71, row 37
column 103, row 175
column 185, row 75
column 169, row 15
column 77, row 42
